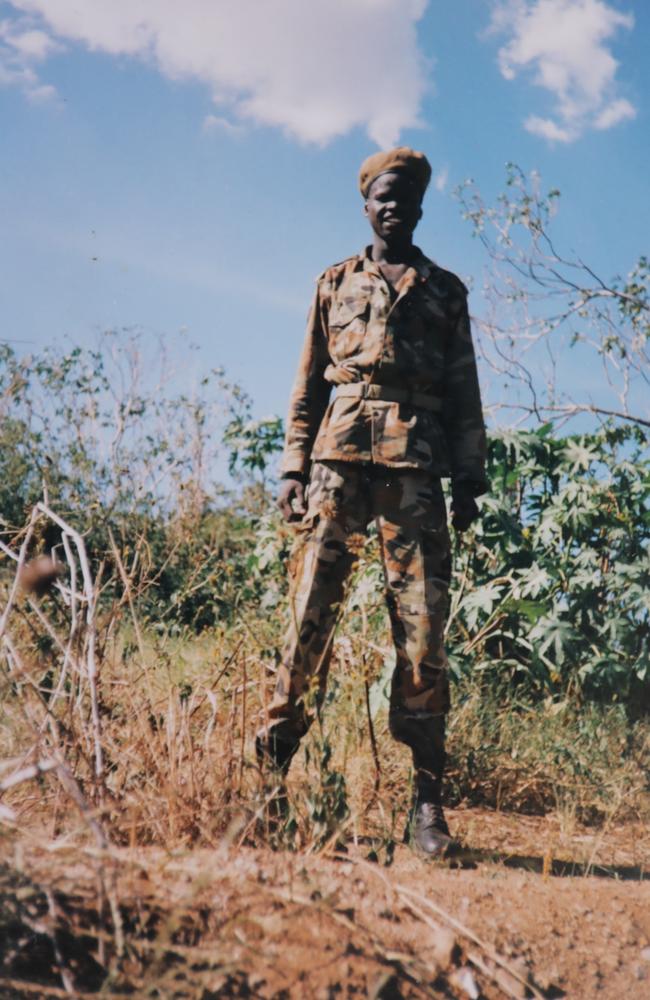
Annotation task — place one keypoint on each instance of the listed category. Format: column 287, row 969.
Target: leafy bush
column 129, row 459
column 552, row 589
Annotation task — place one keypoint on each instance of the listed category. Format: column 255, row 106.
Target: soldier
column 389, row 333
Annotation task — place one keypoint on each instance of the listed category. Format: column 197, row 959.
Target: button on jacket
column 416, row 339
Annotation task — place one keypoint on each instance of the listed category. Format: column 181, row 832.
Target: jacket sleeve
column 462, row 414
column 310, row 393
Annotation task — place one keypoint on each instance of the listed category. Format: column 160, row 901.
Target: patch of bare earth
column 532, row 908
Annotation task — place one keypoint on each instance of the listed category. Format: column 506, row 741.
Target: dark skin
column 393, row 208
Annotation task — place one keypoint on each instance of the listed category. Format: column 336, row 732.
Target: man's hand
column 464, row 509
column 291, row 499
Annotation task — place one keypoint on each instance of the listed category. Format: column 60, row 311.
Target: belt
column 388, row 394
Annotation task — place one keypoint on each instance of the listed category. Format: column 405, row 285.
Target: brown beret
column 403, row 159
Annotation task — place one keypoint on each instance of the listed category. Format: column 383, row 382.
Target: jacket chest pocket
column 347, row 323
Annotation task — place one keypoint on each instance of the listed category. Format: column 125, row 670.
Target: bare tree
column 541, row 302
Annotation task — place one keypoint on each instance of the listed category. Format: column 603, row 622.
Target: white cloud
column 21, row 47
column 217, row 123
column 564, row 44
column 618, row 111
column 440, row 179
column 309, row 68
column 548, row 129
column 32, row 44
column 41, row 93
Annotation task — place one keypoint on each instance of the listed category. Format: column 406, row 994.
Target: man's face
column 393, row 207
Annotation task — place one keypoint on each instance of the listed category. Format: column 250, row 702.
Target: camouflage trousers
column 409, row 509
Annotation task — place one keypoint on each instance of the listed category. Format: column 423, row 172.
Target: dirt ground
column 535, row 907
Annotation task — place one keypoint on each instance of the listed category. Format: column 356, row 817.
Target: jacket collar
column 420, row 267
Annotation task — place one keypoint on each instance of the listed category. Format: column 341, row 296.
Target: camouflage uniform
column 405, row 412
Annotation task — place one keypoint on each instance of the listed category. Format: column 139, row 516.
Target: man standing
column 389, row 332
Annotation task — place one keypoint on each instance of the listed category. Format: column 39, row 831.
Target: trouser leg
column 417, row 558
column 320, row 562
column 412, row 523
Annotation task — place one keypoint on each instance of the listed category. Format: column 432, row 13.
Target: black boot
column 430, row 830
column 427, row 825
column 274, row 751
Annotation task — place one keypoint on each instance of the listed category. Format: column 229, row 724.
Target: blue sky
column 192, row 167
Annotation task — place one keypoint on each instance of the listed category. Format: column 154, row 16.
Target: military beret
column 401, row 159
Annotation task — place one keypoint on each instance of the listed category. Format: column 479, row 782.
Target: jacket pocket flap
column 341, row 312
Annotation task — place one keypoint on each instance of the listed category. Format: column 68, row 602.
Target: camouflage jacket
column 419, row 341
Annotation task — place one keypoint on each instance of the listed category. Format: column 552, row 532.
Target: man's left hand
column 464, row 509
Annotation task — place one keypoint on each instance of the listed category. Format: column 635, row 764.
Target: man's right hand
column 464, row 509
column 291, row 499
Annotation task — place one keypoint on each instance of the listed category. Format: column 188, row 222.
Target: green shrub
column 552, row 589
column 550, row 592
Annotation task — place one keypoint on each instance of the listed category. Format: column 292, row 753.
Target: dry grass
column 114, row 736
column 177, row 717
